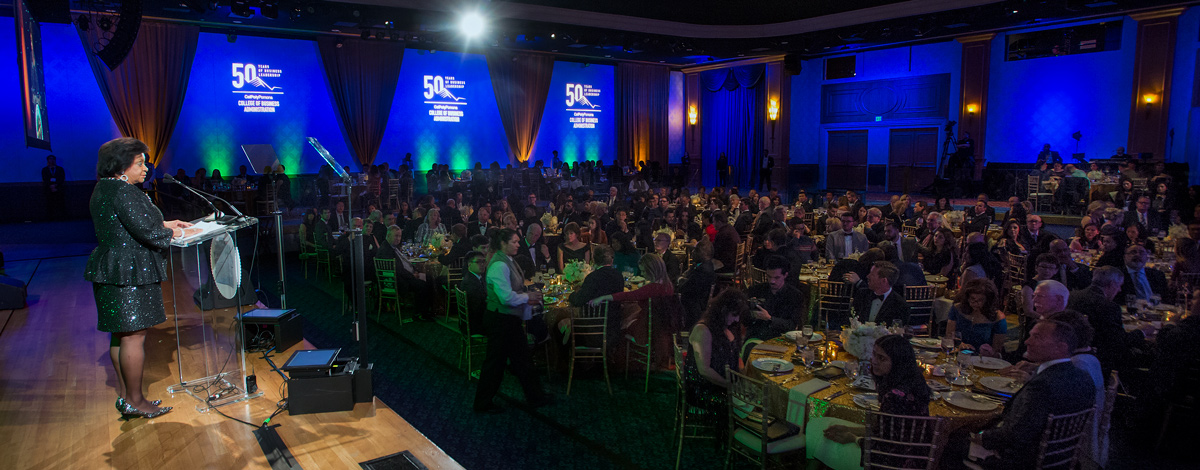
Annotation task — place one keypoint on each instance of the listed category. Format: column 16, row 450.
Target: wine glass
column 808, row 356
column 951, row 374
column 947, row 346
column 807, row 332
column 851, row 370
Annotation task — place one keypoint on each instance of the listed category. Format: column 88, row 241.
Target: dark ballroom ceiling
column 678, row 33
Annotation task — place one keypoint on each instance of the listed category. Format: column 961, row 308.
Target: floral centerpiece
column 575, row 271
column 549, row 222
column 436, row 240
column 954, row 218
column 858, row 339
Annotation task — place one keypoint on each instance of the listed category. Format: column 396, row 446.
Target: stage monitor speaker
column 320, row 394
column 792, row 64
column 12, row 293
column 284, row 328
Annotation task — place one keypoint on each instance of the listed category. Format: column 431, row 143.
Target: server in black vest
column 127, row 266
column 508, row 306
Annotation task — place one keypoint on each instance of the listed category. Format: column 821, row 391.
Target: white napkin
column 798, row 400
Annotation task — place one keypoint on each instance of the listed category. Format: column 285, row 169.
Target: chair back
column 835, row 300
column 902, row 442
column 454, row 272
column 1033, row 184
column 1062, row 439
column 748, row 406
column 920, row 304
column 757, row 276
column 464, row 323
column 909, row 231
column 592, row 321
column 1188, row 284
column 1015, row 270
column 385, row 273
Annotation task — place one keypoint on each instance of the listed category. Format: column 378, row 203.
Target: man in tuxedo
column 782, row 305
column 839, row 245
column 474, row 284
column 726, row 242
column 605, row 280
column 1057, row 387
column 878, row 302
column 406, row 275
column 803, row 201
column 1032, row 235
column 1073, row 275
column 977, row 218
column 460, row 247
column 1141, row 281
column 479, row 226
column 906, row 247
column 322, row 233
column 53, row 177
column 1143, row 215
column 745, row 218
column 533, row 251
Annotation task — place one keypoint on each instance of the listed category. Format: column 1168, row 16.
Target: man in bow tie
column 878, row 302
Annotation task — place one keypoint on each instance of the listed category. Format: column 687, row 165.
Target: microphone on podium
column 224, row 219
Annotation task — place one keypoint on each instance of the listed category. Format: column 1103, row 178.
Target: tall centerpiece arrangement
column 575, row 271
column 858, row 339
column 549, row 222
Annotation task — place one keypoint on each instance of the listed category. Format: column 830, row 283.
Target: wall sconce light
column 972, row 109
column 692, row 115
column 773, row 109
column 1150, row 98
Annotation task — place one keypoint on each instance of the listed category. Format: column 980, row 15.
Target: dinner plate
column 796, row 335
column 937, row 385
column 991, row 363
column 418, row 260
column 869, row 401
column 999, row 384
column 970, row 401
column 768, row 364
column 928, row 343
column 863, row 382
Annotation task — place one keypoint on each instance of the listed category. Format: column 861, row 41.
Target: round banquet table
column 558, row 310
column 837, row 400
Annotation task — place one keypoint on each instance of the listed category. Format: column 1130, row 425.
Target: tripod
column 949, row 148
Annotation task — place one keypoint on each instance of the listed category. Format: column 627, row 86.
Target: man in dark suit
column 605, row 280
column 339, row 220
column 906, row 247
column 878, row 302
column 533, row 252
column 1073, row 275
column 1032, row 235
column 322, row 234
column 1141, row 281
column 781, row 304
column 726, row 242
column 977, row 218
column 695, row 286
column 839, row 245
column 481, row 223
column 854, row 202
column 406, row 275
column 474, row 285
column 1095, row 302
column 745, row 219
column 461, row 245
column 53, row 178
column 1057, row 387
column 1143, row 215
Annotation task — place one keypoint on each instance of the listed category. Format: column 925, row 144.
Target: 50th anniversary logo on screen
column 256, row 87
column 582, row 112
column 445, row 96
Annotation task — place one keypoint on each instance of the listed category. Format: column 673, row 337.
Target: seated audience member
column 1136, row 234
column 604, row 280
column 662, row 248
column 977, row 316
column 837, row 443
column 713, row 346
column 1112, row 244
column 907, row 248
column 910, row 273
column 781, row 307
column 572, row 249
column 981, row 264
column 1057, row 387
column 625, row 255
column 844, row 243
column 474, row 284
column 461, row 245
column 941, row 255
column 1072, row 274
column 878, row 302
column 1140, row 281
column 1097, row 302
column 978, row 218
column 532, row 254
column 695, row 286
column 656, row 297
column 406, row 276
column 1088, row 239
column 726, row 242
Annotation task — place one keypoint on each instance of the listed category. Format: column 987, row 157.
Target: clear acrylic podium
column 209, row 344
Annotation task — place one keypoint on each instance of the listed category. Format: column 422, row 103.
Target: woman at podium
column 127, row 266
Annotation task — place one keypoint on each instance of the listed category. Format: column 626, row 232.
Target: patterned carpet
column 417, row 375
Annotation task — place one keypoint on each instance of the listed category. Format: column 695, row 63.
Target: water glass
column 951, row 374
column 807, row 332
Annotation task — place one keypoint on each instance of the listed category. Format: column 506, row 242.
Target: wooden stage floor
column 57, row 393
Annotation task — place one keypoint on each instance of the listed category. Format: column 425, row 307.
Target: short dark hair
column 1064, row 333
column 603, row 255
column 1079, row 324
column 1045, row 258
column 117, row 155
column 477, row 240
column 888, row 271
column 778, row 237
column 777, row 262
column 503, row 237
column 471, row 255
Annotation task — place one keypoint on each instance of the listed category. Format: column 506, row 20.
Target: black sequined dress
column 127, row 266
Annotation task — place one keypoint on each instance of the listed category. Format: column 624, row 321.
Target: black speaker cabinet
column 285, row 327
column 321, row 394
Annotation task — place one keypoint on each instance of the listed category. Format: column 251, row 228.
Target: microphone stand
column 221, row 219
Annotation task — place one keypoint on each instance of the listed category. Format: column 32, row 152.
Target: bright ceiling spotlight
column 472, row 24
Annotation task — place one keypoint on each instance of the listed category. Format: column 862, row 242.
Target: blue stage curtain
column 145, row 92
column 521, row 83
column 732, row 105
column 362, row 78
column 642, row 94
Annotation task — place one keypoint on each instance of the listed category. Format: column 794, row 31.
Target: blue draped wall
column 732, row 105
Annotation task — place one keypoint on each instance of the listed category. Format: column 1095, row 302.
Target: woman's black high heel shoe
column 121, row 404
column 129, row 412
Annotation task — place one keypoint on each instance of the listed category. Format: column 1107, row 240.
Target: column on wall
column 972, row 116
column 779, row 89
column 691, row 133
column 1153, row 60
